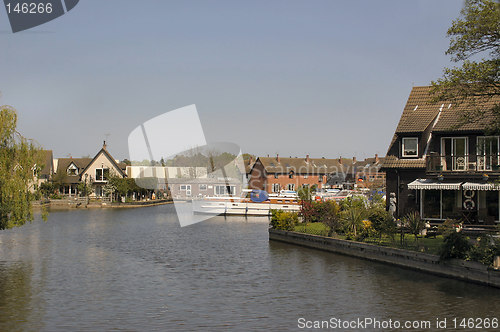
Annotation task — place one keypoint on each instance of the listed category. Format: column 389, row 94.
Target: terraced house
column 442, row 166
column 273, row 174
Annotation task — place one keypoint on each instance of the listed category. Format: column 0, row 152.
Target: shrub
column 366, row 230
column 382, row 222
column 484, row 250
column 455, row 245
column 283, row 220
column 352, row 219
column 414, row 223
column 326, row 212
column 449, row 226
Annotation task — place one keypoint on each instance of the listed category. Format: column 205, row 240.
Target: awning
column 480, row 186
column 429, row 184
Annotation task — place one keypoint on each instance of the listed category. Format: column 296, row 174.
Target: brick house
column 273, row 174
column 441, row 166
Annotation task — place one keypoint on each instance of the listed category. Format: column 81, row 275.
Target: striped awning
column 429, row 184
column 480, row 186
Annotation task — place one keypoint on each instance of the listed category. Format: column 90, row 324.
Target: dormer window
column 410, row 146
column 72, row 170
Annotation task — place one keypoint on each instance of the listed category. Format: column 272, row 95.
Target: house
column 204, row 187
column 273, row 174
column 441, row 166
column 99, row 169
column 68, row 174
column 43, row 173
column 369, row 173
column 93, row 171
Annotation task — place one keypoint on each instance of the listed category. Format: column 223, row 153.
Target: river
column 138, row 270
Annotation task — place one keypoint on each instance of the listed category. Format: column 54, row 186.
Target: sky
column 324, row 78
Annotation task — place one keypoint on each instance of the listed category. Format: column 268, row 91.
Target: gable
column 103, row 160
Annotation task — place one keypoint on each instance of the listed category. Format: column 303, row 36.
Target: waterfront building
column 274, row 174
column 94, row 171
column 442, row 166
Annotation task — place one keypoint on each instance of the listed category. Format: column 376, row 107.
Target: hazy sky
column 324, row 78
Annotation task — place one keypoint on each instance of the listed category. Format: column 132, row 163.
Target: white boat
column 228, row 205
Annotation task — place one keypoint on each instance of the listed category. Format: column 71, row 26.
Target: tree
column 59, row 179
column 475, row 34
column 18, row 156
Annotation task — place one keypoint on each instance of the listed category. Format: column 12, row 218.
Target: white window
column 276, row 187
column 101, row 174
column 223, row 190
column 291, row 186
column 487, row 153
column 410, row 146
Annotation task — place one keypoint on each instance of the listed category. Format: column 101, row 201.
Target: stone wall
column 458, row 269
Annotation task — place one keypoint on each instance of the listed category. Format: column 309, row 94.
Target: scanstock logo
column 27, row 14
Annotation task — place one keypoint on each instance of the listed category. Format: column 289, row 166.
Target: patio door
column 454, row 153
column 487, row 153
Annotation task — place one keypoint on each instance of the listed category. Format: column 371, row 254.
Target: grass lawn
column 315, row 228
column 427, row 245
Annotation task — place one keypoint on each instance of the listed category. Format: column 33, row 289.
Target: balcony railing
column 463, row 163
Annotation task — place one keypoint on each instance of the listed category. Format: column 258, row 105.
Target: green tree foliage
column 476, row 34
column 305, row 194
column 59, row 179
column 47, row 189
column 18, row 156
column 382, row 222
column 84, row 189
column 283, row 220
column 455, row 245
column 484, row 249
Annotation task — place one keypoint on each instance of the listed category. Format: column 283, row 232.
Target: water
column 136, row 269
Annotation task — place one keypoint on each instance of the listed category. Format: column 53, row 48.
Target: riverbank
column 454, row 268
column 83, row 204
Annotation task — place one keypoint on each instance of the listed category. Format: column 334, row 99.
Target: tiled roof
column 420, row 111
column 47, row 163
column 452, row 117
column 394, row 162
column 301, row 166
column 63, row 163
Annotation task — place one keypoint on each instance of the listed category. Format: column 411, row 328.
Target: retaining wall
column 454, row 268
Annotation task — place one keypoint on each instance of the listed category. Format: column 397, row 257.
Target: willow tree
column 20, row 159
column 475, row 45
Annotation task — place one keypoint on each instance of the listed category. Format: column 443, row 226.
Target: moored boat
column 258, row 204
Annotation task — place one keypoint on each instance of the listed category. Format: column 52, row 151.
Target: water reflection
column 139, row 270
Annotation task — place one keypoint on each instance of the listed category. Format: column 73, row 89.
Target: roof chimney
column 104, row 145
column 353, row 160
column 376, row 158
column 277, row 157
column 307, row 158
